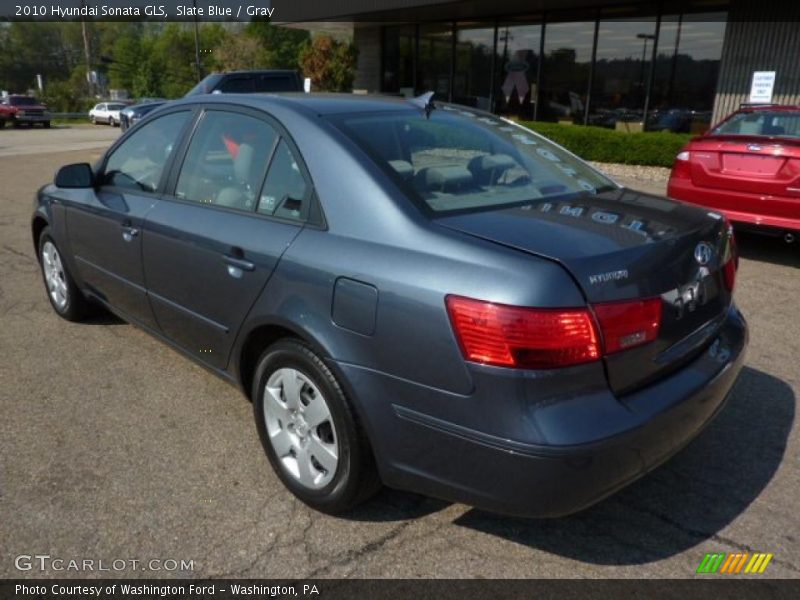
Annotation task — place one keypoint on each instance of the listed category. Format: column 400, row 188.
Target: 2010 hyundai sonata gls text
column 428, row 297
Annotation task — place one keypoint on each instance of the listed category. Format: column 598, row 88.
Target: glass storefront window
column 686, row 70
column 472, row 80
column 518, row 48
column 621, row 72
column 498, row 69
column 567, row 62
column 398, row 59
column 435, row 58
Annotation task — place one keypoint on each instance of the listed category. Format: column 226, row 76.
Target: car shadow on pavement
column 768, row 249
column 395, row 505
column 101, row 316
column 689, row 499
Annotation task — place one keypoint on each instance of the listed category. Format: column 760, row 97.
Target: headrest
column 492, row 162
column 243, row 162
column 444, row 178
column 403, row 168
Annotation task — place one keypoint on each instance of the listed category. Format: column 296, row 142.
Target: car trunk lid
column 758, row 165
column 621, row 245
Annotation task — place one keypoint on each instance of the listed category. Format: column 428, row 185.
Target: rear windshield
column 762, row 122
column 22, row 101
column 459, row 160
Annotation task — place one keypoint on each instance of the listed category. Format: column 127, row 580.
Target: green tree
column 330, row 64
column 282, row 45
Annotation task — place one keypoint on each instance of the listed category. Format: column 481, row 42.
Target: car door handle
column 239, row 263
column 128, row 233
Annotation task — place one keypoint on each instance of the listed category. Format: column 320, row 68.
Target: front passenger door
column 207, row 252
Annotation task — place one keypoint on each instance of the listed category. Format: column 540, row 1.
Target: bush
column 656, row 149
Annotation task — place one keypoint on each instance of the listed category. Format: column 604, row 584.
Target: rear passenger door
column 212, row 243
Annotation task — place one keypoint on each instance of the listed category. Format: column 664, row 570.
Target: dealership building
column 672, row 64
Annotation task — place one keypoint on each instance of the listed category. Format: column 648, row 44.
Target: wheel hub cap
column 300, row 428
column 54, row 275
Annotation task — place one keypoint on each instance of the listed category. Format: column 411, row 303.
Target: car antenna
column 424, row 102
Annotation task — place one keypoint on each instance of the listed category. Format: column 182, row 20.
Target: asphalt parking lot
column 113, row 446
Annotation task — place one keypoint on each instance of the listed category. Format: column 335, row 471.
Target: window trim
column 168, row 166
column 316, row 216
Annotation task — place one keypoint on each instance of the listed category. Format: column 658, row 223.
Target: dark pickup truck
column 19, row 110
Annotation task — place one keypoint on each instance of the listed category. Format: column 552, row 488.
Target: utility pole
column 197, row 44
column 87, row 52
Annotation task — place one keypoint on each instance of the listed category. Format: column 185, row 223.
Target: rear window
column 762, row 122
column 459, row 160
column 22, row 101
column 277, row 83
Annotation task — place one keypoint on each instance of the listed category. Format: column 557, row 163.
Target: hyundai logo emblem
column 703, row 253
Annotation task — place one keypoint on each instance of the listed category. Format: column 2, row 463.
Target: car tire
column 112, row 122
column 2, row 124
column 314, row 420
column 65, row 297
column 46, row 124
column 16, row 124
column 93, row 120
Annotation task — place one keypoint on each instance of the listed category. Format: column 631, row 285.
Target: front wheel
column 309, row 431
column 65, row 297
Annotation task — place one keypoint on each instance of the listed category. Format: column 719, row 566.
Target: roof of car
column 752, row 107
column 318, row 103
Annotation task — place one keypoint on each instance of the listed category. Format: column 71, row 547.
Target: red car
column 747, row 167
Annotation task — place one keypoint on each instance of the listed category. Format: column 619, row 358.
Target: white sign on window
column 762, row 86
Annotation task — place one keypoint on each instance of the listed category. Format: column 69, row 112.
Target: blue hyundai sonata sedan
column 417, row 295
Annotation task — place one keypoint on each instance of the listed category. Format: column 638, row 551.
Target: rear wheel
column 46, row 124
column 112, row 122
column 65, row 297
column 309, row 431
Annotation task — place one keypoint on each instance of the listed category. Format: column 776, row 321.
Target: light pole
column 645, row 37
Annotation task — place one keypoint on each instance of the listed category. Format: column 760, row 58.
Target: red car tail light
column 548, row 338
column 682, row 168
column 629, row 323
column 532, row 338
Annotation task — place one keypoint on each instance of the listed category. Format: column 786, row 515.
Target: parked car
column 429, row 297
column 130, row 115
column 106, row 112
column 23, row 110
column 248, row 82
column 747, row 167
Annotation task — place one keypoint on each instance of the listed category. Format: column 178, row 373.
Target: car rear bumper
column 443, row 458
column 731, row 204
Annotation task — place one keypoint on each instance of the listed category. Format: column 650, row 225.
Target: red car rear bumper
column 731, row 204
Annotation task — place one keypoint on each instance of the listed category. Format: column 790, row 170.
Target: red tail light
column 532, row 338
column 546, row 338
column 628, row 324
column 682, row 166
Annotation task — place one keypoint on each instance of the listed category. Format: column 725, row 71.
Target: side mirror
column 78, row 175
